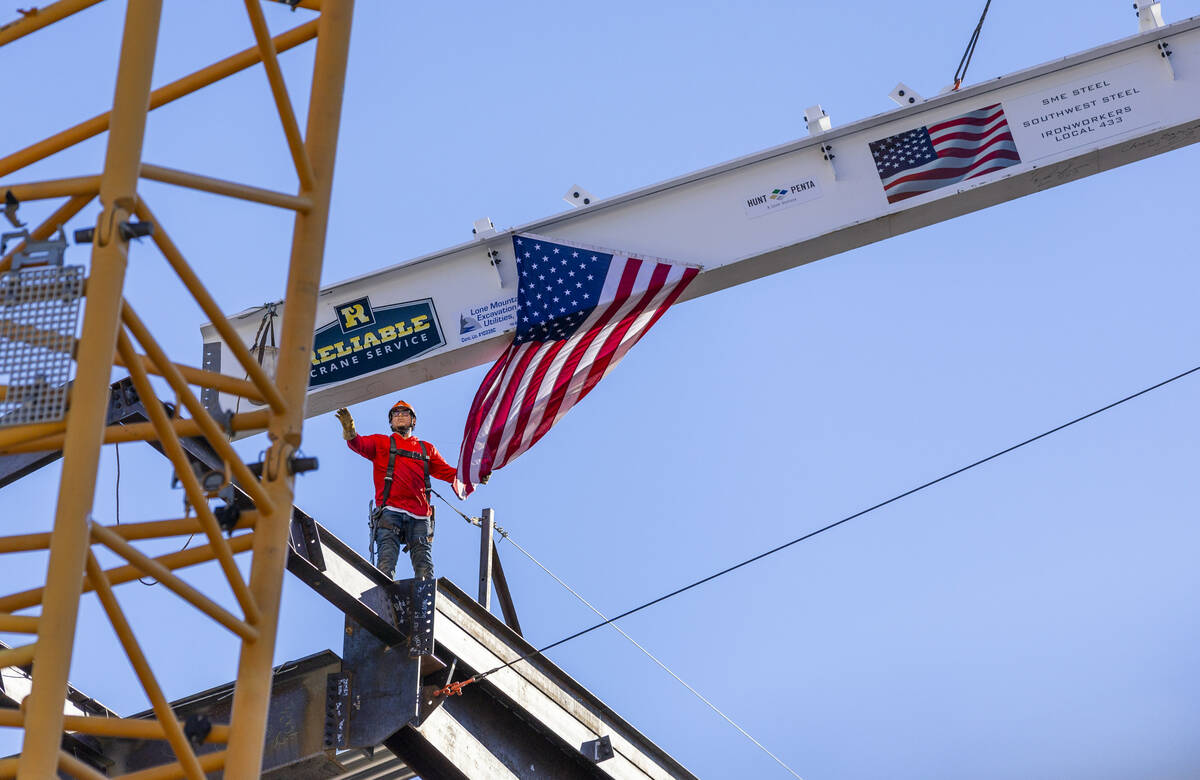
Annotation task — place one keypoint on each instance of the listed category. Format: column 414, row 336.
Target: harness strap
column 392, row 455
column 390, row 473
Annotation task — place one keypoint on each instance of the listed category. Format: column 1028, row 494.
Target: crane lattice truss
column 114, row 334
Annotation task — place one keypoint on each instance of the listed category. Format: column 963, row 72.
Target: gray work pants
column 393, row 530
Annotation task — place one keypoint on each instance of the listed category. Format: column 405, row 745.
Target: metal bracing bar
column 153, row 529
column 24, row 542
column 291, row 129
column 123, row 574
column 19, row 624
column 172, row 582
column 160, row 529
column 192, row 282
column 503, row 594
column 89, row 394
column 201, row 378
column 141, row 667
column 49, row 440
column 159, row 97
column 212, row 431
column 252, row 694
column 18, row 656
column 486, row 548
column 222, row 187
column 79, row 769
column 191, row 484
column 43, row 231
column 24, row 433
column 76, row 186
column 209, row 762
column 129, row 728
column 42, row 17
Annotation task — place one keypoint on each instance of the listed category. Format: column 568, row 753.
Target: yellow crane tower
column 113, row 334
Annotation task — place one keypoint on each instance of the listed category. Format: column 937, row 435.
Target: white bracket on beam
column 1164, row 52
column 483, row 230
column 827, row 154
column 577, row 196
column 816, row 119
column 494, row 259
column 904, row 95
column 818, row 122
column 1149, row 14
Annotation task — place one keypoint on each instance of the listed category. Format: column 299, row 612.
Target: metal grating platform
column 39, row 317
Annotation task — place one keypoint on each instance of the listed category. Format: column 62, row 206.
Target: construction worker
column 402, row 514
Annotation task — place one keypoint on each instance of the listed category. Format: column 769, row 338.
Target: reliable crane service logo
column 364, row 339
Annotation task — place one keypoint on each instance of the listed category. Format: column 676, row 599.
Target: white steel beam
column 455, row 309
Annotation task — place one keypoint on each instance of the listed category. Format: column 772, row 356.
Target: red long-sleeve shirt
column 408, row 484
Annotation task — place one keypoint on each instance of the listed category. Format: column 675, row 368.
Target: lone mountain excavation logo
column 364, row 339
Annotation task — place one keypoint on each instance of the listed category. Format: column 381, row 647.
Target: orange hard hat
column 402, row 405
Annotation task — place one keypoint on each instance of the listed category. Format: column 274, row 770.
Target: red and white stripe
column 534, row 384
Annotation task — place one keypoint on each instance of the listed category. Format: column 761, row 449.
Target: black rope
column 846, row 519
column 965, row 62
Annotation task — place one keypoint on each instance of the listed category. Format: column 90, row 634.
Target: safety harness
column 377, row 511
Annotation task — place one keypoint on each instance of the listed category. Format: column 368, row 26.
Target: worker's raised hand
column 347, row 421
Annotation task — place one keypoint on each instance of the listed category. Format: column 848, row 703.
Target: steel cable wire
column 965, row 62
column 650, row 655
column 846, row 519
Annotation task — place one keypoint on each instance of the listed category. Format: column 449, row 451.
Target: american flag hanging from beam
column 578, row 312
column 921, row 160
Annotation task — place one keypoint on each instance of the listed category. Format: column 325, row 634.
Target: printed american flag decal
column 960, row 148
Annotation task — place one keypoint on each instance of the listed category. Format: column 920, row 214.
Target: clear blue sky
column 1033, row 618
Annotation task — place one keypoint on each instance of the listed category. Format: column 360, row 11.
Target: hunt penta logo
column 365, row 339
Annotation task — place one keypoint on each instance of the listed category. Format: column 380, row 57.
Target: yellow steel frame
column 114, row 334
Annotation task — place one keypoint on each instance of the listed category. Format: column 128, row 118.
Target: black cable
column 471, row 520
column 117, row 450
column 965, row 62
column 117, row 491
column 847, row 519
